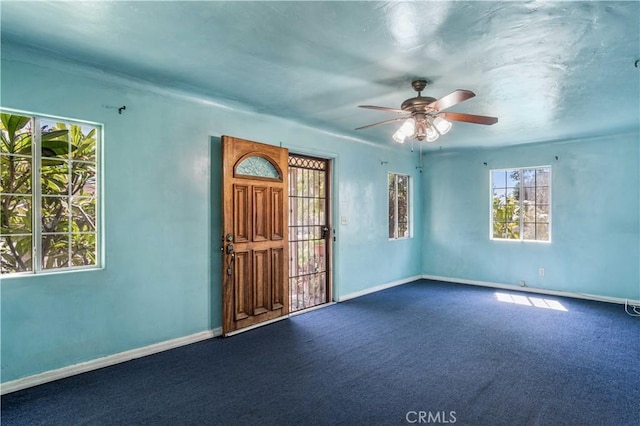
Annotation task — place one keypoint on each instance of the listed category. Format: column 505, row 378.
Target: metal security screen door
column 309, row 232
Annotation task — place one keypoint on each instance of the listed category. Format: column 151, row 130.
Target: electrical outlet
column 522, row 283
column 541, row 272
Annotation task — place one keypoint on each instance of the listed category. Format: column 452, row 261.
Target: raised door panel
column 260, row 213
column 242, row 285
column 277, row 214
column 242, row 213
column 277, row 279
column 261, row 282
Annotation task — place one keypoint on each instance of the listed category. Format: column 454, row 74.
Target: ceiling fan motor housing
column 419, row 103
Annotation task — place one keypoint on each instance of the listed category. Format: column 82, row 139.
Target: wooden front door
column 255, row 234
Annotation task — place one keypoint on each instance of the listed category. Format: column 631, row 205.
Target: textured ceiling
column 548, row 70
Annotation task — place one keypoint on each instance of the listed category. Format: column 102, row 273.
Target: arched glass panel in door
column 258, row 167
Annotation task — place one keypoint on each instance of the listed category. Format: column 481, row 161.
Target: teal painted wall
column 162, row 216
column 595, row 218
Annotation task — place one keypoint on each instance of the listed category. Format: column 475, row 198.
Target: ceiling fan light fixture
column 432, row 134
column 405, row 131
column 443, row 126
column 399, row 137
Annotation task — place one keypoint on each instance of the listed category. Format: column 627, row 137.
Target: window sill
column 49, row 273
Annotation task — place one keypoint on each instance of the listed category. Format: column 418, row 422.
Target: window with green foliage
column 49, row 194
column 398, row 206
column 521, row 204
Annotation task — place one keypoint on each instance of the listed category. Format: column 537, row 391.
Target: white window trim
column 521, row 239
column 36, row 205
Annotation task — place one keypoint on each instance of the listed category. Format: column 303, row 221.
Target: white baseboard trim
column 378, row 288
column 106, row 361
column 597, row 298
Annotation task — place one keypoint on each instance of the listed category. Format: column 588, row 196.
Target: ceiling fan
column 423, row 117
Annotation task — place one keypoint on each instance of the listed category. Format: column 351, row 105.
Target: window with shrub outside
column 49, row 194
column 521, row 204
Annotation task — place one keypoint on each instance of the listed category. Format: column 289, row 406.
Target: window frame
column 521, row 238
column 409, row 206
column 36, row 195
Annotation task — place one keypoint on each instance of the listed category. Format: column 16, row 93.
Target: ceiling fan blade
column 383, row 122
column 469, row 118
column 453, row 98
column 399, row 111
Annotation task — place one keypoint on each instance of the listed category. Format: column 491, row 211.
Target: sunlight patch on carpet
column 537, row 302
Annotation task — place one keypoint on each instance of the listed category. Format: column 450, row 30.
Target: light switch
column 344, row 220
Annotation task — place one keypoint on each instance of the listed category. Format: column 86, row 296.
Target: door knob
column 325, row 232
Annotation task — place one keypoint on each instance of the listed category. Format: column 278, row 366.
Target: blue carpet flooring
column 424, row 352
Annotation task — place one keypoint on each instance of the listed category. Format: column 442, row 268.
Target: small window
column 399, row 226
column 49, row 194
column 521, row 204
